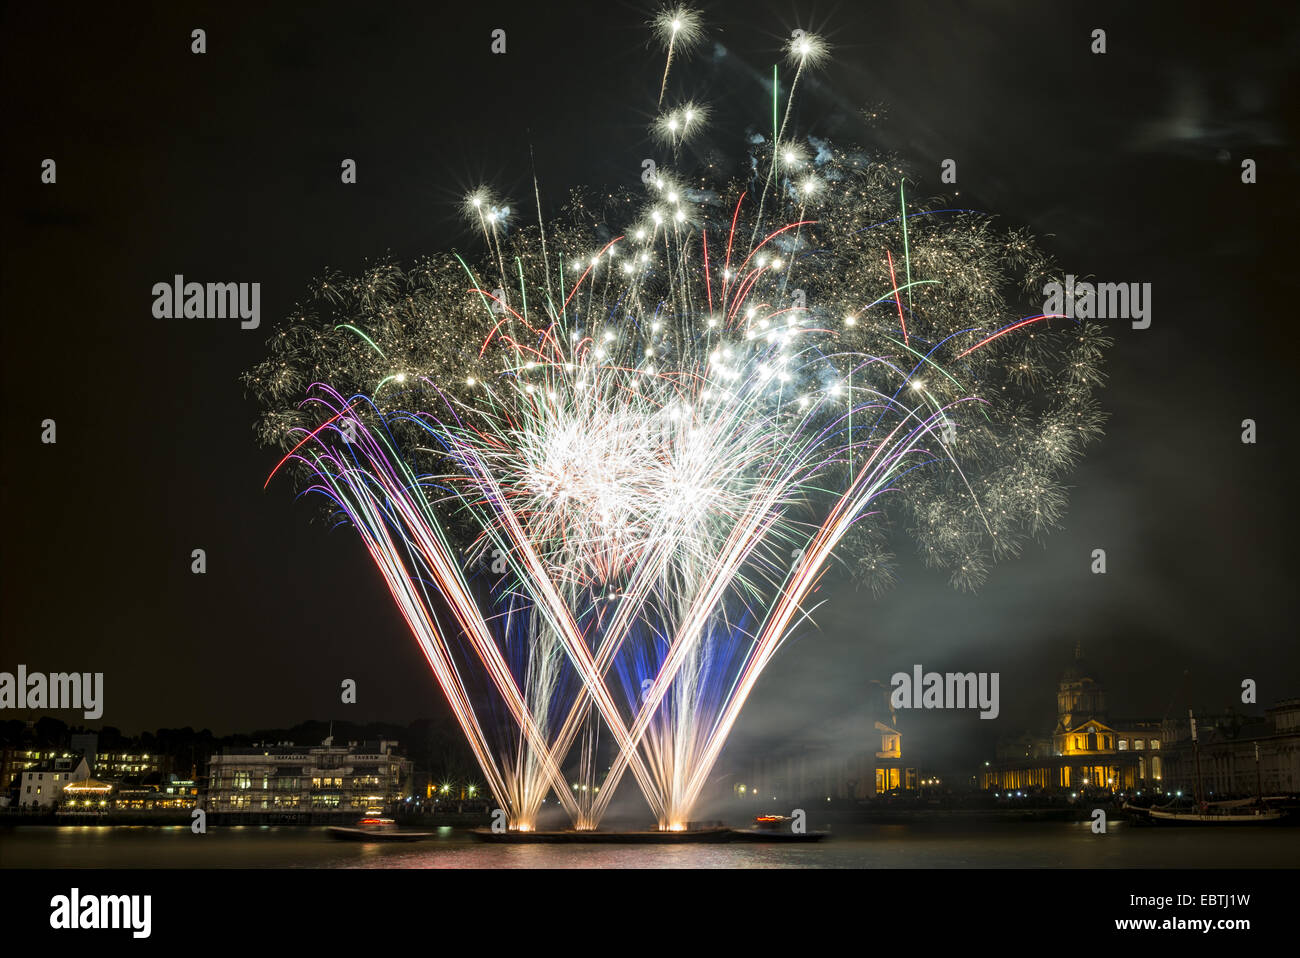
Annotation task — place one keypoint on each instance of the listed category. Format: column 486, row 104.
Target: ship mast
column 1259, row 781
column 1196, row 751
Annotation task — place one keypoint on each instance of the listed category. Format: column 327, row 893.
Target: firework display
column 603, row 466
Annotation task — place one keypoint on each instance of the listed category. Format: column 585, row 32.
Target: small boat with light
column 776, row 828
column 374, row 829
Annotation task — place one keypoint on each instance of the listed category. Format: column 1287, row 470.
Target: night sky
column 225, row 167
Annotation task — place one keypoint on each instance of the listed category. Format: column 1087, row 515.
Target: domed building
column 1079, row 697
column 1089, row 749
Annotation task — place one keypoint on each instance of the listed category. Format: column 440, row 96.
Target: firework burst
column 603, row 468
column 679, row 30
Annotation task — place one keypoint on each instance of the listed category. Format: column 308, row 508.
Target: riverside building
column 296, row 781
column 1087, row 750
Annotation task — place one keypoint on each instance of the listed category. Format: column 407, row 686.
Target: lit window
column 1137, row 743
column 1123, row 745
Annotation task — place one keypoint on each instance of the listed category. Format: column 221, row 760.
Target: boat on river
column 775, row 828
column 1248, row 811
column 374, row 829
column 1209, row 813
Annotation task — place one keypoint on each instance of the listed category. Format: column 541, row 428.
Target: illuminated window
column 1123, row 745
column 1155, row 743
column 1137, row 744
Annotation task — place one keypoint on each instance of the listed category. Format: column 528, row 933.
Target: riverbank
column 185, row 816
column 477, row 819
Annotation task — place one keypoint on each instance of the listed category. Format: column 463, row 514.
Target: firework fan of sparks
column 603, row 469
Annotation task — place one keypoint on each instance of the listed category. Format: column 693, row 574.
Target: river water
column 918, row 845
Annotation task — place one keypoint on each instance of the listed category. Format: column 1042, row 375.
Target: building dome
column 1079, row 671
column 1079, row 696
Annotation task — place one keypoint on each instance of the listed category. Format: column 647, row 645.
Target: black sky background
column 225, row 167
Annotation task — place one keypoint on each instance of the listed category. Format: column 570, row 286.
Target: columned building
column 1089, row 749
column 1228, row 746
